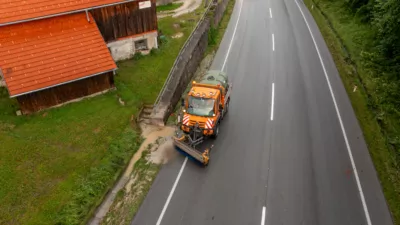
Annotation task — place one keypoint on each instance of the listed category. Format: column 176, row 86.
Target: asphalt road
column 290, row 150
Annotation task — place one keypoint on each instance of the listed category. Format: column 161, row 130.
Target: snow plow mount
column 186, row 144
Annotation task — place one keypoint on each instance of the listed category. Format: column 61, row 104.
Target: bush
column 137, row 55
column 212, row 36
column 154, row 51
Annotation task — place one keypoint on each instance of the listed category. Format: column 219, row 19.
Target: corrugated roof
column 17, row 10
column 45, row 53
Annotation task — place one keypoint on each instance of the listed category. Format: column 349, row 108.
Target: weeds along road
column 290, row 151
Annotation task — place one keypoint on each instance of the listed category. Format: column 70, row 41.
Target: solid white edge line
column 263, row 216
column 341, row 123
column 171, row 193
column 272, row 102
column 233, row 36
column 273, row 42
column 270, row 13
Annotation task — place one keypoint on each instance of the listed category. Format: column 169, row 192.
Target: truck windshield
column 201, row 106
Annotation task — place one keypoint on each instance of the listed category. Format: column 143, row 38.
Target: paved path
column 187, row 7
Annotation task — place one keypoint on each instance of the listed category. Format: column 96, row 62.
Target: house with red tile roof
column 52, row 52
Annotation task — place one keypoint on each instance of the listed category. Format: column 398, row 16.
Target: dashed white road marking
column 273, row 42
column 270, row 13
column 172, row 192
column 360, row 190
column 272, row 102
column 233, row 36
column 263, row 216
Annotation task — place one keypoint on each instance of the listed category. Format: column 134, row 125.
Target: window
column 201, row 106
column 141, row 45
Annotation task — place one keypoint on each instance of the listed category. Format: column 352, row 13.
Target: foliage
column 212, row 35
column 387, row 25
column 137, row 55
column 380, row 52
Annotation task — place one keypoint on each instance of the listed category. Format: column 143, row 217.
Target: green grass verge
column 346, row 38
column 57, row 165
column 169, row 7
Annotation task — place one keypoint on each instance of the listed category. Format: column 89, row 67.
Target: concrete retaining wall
column 219, row 12
column 185, row 65
column 182, row 73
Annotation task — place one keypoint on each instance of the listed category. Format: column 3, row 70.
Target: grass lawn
column 56, row 165
column 342, row 31
column 169, row 7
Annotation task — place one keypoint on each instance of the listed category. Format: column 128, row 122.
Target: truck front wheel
column 216, row 132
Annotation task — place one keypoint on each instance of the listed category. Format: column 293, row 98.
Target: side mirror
column 182, row 102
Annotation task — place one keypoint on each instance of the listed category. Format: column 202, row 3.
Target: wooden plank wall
column 125, row 20
column 60, row 94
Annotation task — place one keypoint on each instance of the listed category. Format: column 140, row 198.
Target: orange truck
column 204, row 107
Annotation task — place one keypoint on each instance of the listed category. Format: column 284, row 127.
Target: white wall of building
column 125, row 48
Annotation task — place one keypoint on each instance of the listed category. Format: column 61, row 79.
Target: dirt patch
column 6, row 126
column 176, row 25
column 164, row 153
column 131, row 182
column 97, row 130
column 177, row 35
column 151, row 134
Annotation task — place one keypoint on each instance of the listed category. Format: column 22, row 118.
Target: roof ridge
column 13, row 12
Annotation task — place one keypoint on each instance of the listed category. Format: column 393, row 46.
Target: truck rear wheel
column 225, row 109
column 227, row 106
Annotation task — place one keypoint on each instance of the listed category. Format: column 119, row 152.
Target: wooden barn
column 52, row 52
